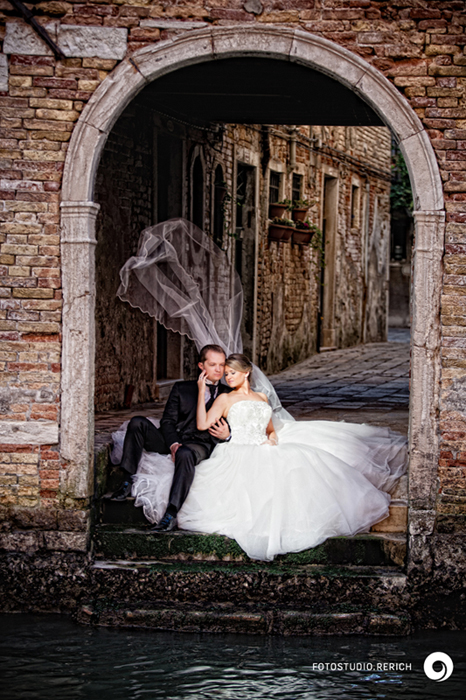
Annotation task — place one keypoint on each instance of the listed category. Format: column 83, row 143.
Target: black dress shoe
column 168, row 523
column 122, row 492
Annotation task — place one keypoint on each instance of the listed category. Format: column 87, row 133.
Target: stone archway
column 79, row 212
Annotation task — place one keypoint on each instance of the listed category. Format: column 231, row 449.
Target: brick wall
column 124, row 336
column 418, row 45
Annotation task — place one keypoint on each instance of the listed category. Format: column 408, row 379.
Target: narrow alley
column 367, row 383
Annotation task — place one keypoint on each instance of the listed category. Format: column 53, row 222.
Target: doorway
column 327, row 335
column 245, row 250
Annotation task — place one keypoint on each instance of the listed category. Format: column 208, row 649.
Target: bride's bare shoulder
column 262, row 396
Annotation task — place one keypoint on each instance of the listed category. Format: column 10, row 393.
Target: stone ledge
column 283, row 622
column 29, row 432
column 27, row 518
column 74, row 40
column 120, row 542
column 89, row 42
column 3, row 73
column 21, row 39
column 31, row 541
column 172, row 24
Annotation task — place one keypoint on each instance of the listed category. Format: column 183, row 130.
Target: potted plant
column 300, row 208
column 304, row 231
column 277, row 209
column 280, row 229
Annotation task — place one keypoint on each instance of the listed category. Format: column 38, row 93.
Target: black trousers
column 143, row 435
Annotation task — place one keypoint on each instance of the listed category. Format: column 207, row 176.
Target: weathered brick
column 444, row 92
column 459, row 39
column 43, row 155
column 57, row 114
column 106, row 64
column 70, row 95
column 33, row 293
column 7, row 259
column 37, row 260
column 40, row 125
column 71, row 72
column 39, row 145
column 19, row 228
column 458, row 71
column 136, row 34
column 51, row 104
column 417, row 81
column 19, row 249
column 439, row 49
column 16, row 271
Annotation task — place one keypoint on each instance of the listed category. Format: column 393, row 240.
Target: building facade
column 154, row 168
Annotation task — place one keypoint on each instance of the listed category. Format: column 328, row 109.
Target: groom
column 178, row 435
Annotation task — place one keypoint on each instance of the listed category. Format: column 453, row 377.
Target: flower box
column 278, row 232
column 299, row 213
column 277, row 209
column 302, row 237
column 288, row 233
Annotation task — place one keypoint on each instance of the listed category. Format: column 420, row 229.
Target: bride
column 287, row 490
column 277, row 485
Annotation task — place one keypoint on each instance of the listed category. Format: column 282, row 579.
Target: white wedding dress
column 323, row 479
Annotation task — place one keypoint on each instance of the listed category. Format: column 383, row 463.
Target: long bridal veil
column 180, row 277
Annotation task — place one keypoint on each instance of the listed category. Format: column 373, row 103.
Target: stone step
column 124, row 513
column 281, row 622
column 121, row 542
column 120, row 512
column 397, row 521
column 255, row 598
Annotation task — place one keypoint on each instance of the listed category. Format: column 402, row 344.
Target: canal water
column 50, row 657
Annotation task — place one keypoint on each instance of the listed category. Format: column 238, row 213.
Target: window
column 274, row 187
column 198, row 194
column 241, row 179
column 296, row 187
column 354, row 206
column 219, row 198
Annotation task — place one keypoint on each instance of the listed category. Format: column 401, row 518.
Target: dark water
column 51, row 657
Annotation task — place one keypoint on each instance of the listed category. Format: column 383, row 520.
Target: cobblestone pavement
column 363, row 384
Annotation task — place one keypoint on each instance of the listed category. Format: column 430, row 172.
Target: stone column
column 425, row 383
column 77, row 408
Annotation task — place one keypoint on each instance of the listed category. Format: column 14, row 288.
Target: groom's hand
column 173, row 449
column 220, row 429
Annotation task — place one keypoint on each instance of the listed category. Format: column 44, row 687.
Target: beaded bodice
column 248, row 422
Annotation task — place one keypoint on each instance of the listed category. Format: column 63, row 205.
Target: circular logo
column 446, row 663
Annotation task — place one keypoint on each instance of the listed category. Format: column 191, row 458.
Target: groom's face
column 214, row 365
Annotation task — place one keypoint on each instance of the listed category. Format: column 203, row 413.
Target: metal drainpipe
column 293, row 139
column 43, row 33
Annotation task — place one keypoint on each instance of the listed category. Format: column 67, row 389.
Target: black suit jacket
column 179, row 423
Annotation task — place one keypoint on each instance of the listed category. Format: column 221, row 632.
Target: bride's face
column 234, row 378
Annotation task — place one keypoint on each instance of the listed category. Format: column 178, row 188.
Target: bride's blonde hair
column 239, row 362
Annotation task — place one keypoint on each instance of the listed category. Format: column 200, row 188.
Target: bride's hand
column 271, row 441
column 201, row 385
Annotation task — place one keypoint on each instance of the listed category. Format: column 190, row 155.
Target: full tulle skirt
column 323, row 479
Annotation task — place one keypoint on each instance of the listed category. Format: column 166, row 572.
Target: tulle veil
column 180, row 277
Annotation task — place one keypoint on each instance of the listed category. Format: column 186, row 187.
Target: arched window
column 220, row 191
column 197, row 193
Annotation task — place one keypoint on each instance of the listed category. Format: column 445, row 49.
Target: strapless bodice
column 248, row 422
